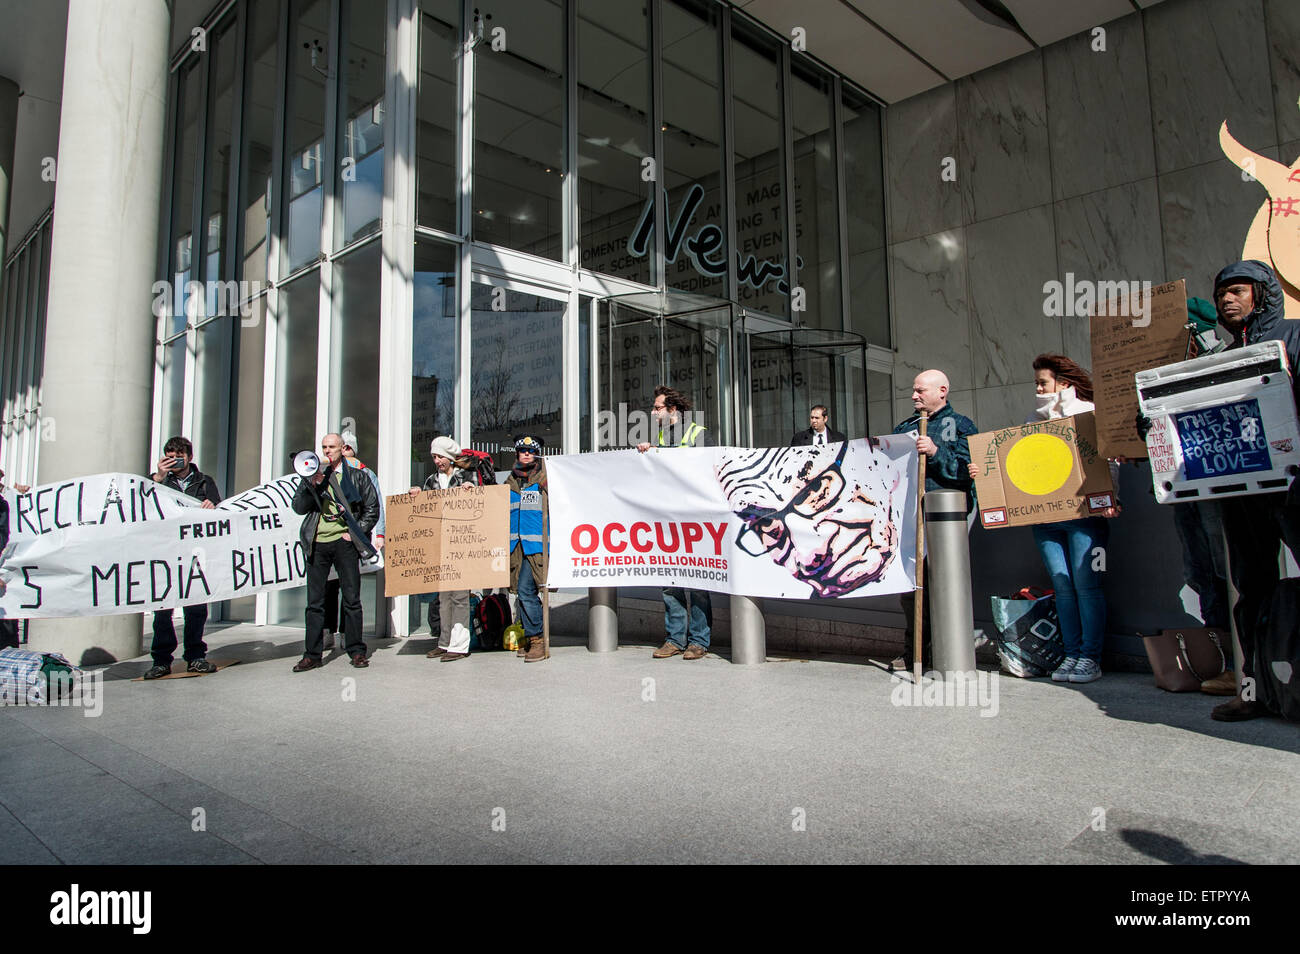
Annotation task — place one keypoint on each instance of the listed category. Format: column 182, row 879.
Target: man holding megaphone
column 340, row 512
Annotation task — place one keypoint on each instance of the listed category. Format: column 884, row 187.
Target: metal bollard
column 602, row 619
column 952, row 623
column 748, row 632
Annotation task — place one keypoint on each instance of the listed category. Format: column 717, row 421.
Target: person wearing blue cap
column 530, row 537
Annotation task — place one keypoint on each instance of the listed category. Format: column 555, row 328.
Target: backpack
column 490, row 616
column 1277, row 652
column 479, row 463
column 1029, row 642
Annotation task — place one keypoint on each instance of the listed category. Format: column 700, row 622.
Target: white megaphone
column 306, row 464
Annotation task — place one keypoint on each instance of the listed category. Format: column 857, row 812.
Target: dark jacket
column 361, row 512
column 947, row 468
column 200, row 487
column 805, row 438
column 460, row 477
column 1267, row 322
column 4, row 524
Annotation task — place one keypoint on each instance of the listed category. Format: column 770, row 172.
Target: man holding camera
column 176, row 470
column 341, row 508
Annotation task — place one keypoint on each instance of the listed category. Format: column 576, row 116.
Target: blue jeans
column 1067, row 550
column 676, row 603
column 530, row 606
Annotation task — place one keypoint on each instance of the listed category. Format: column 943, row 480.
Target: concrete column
column 602, row 619
column 8, row 135
column 99, row 339
column 748, row 632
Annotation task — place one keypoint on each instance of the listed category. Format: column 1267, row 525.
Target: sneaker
column 1062, row 672
column 200, row 665
column 157, row 672
column 1087, row 670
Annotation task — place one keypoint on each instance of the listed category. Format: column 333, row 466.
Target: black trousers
column 164, row 635
column 332, row 605
column 341, row 555
column 8, row 634
column 1254, row 527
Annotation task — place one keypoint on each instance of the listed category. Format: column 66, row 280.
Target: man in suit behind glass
column 819, row 431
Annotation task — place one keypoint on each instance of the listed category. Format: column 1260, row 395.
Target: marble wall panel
column 1004, row 406
column 931, row 322
column 1099, row 110
column 1207, row 62
column 1009, row 260
column 1003, row 161
column 1111, row 235
column 1206, row 212
column 1282, row 19
column 921, row 133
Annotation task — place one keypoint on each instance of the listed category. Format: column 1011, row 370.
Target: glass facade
column 479, row 219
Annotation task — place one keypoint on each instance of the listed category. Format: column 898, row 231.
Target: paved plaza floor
column 618, row 757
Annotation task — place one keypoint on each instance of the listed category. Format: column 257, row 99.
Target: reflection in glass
column 295, row 403
column 217, row 171
column 693, row 160
column 614, row 135
column 258, row 123
column 182, row 237
column 436, row 115
column 760, row 243
column 360, row 181
column 211, row 393
column 816, row 212
column 309, row 66
column 173, row 385
column 354, row 355
column 515, row 356
column 247, row 376
column 865, row 205
column 433, row 352
column 519, row 127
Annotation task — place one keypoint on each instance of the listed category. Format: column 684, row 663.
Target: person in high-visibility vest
column 688, row 614
column 529, row 540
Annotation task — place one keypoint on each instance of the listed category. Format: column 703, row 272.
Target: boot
column 536, row 650
column 522, row 651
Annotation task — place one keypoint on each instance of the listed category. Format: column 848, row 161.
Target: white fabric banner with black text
column 121, row 543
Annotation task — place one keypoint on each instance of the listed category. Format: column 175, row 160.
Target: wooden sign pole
column 918, row 604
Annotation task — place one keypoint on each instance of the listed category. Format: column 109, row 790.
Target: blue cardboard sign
column 1223, row 440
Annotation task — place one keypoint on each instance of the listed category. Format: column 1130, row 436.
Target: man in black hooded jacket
column 1250, row 304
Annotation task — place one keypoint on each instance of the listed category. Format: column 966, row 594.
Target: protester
column 1069, row 548
column 530, row 538
column 688, row 614
column 946, row 468
column 340, row 509
column 453, row 643
column 377, row 537
column 176, row 471
column 1250, row 304
column 819, row 430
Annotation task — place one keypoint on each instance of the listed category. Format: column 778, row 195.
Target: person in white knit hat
column 452, row 606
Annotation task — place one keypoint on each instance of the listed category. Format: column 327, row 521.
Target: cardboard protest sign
column 443, row 540
column 1040, row 473
column 1145, row 331
column 1223, row 425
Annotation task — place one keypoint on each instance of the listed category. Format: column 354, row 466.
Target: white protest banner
column 792, row 522
column 120, row 543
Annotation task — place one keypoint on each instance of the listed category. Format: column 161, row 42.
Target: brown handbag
column 1182, row 659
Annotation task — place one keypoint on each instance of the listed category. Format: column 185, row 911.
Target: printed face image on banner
column 836, row 533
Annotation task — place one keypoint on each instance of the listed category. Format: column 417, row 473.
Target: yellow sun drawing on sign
column 1274, row 235
column 1039, row 464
